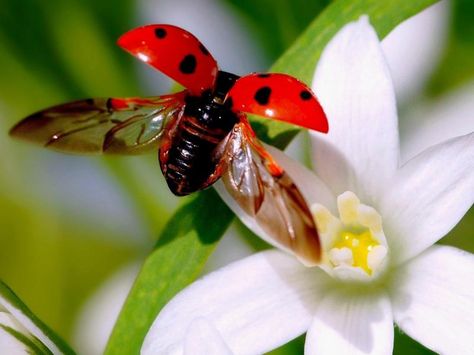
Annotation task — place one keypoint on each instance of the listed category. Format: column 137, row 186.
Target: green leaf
column 187, row 241
column 404, row 345
column 40, row 337
column 176, row 263
column 299, row 59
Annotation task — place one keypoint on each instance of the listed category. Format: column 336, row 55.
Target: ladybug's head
column 224, row 83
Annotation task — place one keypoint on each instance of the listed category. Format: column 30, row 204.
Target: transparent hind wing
column 267, row 193
column 94, row 126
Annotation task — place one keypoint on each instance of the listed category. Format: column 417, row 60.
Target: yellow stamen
column 360, row 244
column 354, row 245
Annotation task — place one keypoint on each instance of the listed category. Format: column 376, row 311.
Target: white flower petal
column 298, row 147
column 27, row 323
column 433, row 300
column 8, row 343
column 203, row 338
column 249, row 221
column 314, row 190
column 351, row 324
column 257, row 304
column 428, row 197
column 353, row 84
column 435, row 122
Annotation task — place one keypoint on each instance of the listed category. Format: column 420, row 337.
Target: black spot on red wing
column 305, row 95
column 188, row 64
column 203, row 49
column 263, row 75
column 160, row 32
column 262, row 96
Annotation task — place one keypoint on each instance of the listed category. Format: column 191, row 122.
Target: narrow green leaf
column 34, row 346
column 182, row 252
column 41, row 334
column 299, row 59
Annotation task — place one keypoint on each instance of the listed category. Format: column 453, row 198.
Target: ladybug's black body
column 190, row 160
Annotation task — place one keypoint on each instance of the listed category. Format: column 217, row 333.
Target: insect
column 201, row 133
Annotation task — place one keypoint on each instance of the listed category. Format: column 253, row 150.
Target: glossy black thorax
column 209, row 108
column 193, row 156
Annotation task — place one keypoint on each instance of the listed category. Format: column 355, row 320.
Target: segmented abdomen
column 190, row 160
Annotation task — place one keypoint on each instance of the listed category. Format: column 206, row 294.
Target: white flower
column 429, row 123
column 202, row 338
column 378, row 220
column 21, row 332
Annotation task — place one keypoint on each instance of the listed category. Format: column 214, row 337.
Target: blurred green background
column 68, row 223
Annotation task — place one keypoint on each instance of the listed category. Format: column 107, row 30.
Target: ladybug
column 201, row 133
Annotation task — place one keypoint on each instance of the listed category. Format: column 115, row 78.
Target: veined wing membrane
column 267, row 193
column 93, row 126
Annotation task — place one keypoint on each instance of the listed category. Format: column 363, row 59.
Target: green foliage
column 404, row 345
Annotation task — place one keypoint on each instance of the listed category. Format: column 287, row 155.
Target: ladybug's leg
column 219, row 158
column 220, row 168
column 266, row 157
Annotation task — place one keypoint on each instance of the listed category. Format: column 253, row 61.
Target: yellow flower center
column 354, row 244
column 360, row 244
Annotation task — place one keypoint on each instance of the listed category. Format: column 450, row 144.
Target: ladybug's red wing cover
column 278, row 96
column 92, row 126
column 266, row 193
column 175, row 52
